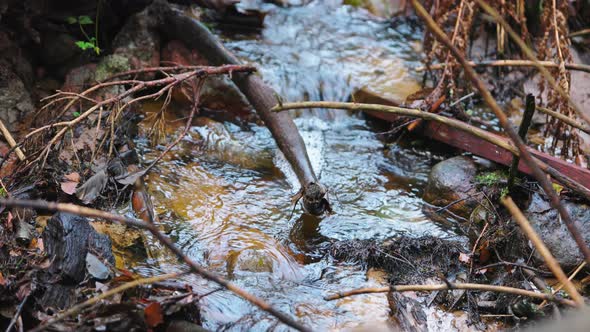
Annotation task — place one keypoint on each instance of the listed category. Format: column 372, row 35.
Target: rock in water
column 453, row 180
column 554, row 233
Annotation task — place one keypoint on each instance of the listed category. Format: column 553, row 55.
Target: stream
column 225, row 195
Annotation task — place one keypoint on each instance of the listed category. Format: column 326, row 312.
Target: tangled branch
column 174, row 77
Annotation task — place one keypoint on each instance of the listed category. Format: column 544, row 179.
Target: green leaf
column 76, row 114
column 71, row 20
column 83, row 45
column 85, row 20
column 97, row 50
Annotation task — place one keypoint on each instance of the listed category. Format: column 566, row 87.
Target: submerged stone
column 452, row 181
column 253, row 260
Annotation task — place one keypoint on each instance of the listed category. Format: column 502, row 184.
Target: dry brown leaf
column 153, row 314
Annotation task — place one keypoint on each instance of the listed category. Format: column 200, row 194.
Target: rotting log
column 176, row 24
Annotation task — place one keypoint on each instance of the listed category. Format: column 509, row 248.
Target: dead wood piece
column 67, row 239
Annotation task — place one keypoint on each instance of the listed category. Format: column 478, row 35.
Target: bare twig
column 17, row 314
column 566, row 119
column 91, row 301
column 512, row 63
column 88, row 212
column 551, row 262
column 520, row 265
column 579, row 33
column 11, row 141
column 503, row 119
column 196, row 96
column 451, row 286
column 166, row 84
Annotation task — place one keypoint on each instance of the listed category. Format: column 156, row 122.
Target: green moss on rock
column 111, row 65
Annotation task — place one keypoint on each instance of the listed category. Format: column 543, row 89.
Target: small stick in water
column 529, row 110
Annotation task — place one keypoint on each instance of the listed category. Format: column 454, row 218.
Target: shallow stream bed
column 225, row 195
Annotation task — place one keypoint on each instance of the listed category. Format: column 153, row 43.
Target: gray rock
column 58, row 48
column 15, row 100
column 139, row 41
column 554, row 233
column 452, row 180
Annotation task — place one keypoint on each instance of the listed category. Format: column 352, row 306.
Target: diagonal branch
column 194, row 267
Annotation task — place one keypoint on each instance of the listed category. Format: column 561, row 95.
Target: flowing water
column 225, row 194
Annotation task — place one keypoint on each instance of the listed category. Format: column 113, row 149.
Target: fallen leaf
column 465, row 258
column 92, row 188
column 69, row 187
column 484, row 253
column 3, row 281
column 153, row 314
column 558, row 188
column 23, row 291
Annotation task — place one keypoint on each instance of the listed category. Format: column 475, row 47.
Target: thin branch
column 16, row 316
column 11, row 141
column 168, row 82
column 564, row 118
column 551, row 262
column 520, row 265
column 511, row 63
column 503, row 119
column 451, row 286
column 91, row 301
column 579, row 33
column 88, row 212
